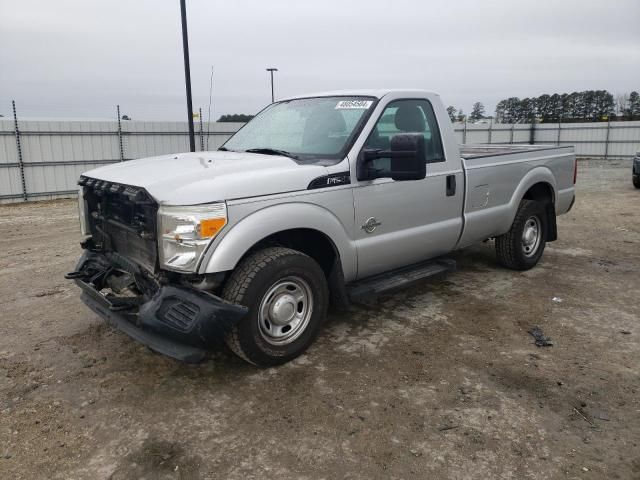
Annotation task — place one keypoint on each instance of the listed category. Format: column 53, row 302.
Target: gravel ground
column 439, row 381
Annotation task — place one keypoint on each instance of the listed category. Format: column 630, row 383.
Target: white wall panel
column 10, row 184
column 8, row 149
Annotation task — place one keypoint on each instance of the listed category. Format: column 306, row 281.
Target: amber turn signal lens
column 211, row 226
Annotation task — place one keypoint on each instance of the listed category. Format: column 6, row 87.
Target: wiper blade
column 224, row 149
column 271, row 151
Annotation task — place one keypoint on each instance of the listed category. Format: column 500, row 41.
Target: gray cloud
column 80, row 58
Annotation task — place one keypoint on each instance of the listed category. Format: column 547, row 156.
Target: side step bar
column 369, row 288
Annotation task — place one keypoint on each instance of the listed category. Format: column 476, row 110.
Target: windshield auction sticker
column 349, row 104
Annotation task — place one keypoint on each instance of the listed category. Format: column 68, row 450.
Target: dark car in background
column 636, row 170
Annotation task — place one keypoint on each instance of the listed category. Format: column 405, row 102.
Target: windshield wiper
column 272, row 151
column 224, row 149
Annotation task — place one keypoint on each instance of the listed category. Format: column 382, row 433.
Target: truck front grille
column 122, row 219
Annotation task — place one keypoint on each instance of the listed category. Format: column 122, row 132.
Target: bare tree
column 622, row 104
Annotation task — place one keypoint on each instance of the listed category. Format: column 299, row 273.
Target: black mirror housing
column 408, row 158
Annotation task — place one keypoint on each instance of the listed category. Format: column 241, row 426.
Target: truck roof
column 377, row 93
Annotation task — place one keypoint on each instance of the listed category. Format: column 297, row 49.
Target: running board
column 369, row 288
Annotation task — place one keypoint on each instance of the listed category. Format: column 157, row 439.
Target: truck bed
column 474, row 151
column 498, row 175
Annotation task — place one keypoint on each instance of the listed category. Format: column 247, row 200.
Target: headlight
column 185, row 232
column 82, row 213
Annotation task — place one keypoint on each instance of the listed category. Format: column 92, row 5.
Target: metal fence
column 606, row 140
column 43, row 159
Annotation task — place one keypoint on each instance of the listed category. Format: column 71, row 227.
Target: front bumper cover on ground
column 180, row 322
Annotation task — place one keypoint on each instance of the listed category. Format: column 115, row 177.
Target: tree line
column 236, row 117
column 587, row 106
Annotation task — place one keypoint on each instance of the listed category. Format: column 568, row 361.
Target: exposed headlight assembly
column 186, row 231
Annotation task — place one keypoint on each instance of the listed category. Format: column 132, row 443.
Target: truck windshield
column 305, row 128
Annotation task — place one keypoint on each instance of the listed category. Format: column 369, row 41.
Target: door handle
column 451, row 185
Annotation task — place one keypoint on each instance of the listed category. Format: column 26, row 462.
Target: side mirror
column 408, row 159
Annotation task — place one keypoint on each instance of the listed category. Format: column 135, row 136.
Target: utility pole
column 187, row 74
column 271, row 70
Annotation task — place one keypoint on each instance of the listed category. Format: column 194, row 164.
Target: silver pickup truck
column 320, row 199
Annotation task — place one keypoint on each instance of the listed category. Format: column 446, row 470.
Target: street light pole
column 187, row 74
column 271, row 70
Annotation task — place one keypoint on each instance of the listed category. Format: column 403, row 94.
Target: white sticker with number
column 357, row 104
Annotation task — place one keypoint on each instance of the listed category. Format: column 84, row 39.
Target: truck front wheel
column 522, row 246
column 287, row 296
column 636, row 181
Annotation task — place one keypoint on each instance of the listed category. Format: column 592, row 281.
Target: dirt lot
column 441, row 381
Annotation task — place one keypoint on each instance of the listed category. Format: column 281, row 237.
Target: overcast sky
column 79, row 58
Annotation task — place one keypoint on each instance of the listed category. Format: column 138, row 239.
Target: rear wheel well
column 318, row 246
column 540, row 192
column 543, row 192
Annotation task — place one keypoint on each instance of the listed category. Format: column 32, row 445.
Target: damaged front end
column 121, row 280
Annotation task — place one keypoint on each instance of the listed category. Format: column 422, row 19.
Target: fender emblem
column 370, row 225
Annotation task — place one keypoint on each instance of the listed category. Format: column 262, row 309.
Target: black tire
column 248, row 285
column 636, row 181
column 510, row 250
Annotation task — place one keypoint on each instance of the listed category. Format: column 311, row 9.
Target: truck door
column 398, row 223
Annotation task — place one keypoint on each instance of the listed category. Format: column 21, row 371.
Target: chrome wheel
column 285, row 311
column 531, row 236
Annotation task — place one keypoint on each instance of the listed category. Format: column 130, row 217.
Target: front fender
column 225, row 253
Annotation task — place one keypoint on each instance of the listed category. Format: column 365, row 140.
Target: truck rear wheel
column 636, row 181
column 522, row 246
column 287, row 296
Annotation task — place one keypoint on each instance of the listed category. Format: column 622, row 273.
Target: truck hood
column 204, row 177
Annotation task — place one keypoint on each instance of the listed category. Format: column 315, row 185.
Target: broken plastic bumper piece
column 177, row 321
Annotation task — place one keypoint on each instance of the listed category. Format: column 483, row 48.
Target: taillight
column 575, row 170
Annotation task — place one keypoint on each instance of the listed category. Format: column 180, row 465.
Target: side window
column 406, row 116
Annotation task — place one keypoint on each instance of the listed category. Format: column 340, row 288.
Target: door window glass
column 405, row 116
